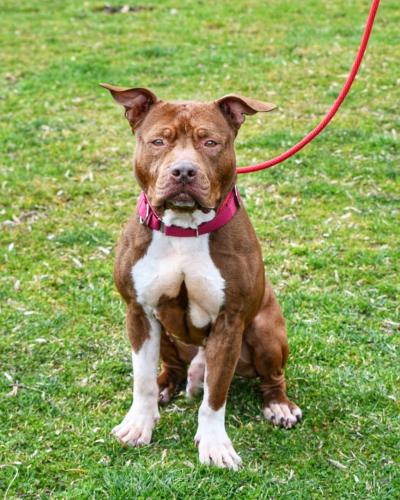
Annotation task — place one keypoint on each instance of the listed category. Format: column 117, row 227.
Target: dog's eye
column 158, row 142
column 210, row 143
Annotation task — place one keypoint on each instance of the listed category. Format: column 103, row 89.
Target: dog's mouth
column 185, row 201
column 181, row 200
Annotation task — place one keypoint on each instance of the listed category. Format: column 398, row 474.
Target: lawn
column 328, row 221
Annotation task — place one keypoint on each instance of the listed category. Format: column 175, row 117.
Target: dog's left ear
column 136, row 101
column 235, row 107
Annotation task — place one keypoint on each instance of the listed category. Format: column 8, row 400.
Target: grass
column 328, row 221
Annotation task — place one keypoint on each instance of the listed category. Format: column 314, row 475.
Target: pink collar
column 225, row 212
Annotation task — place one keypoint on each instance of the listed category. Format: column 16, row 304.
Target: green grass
column 328, row 221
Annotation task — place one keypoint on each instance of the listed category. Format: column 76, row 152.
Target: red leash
column 336, row 105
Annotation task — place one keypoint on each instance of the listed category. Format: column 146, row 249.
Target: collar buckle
column 237, row 195
column 143, row 220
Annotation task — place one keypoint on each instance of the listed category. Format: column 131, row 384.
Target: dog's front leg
column 222, row 353
column 144, row 333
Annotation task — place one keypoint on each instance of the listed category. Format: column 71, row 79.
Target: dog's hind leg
column 174, row 369
column 195, row 378
column 267, row 339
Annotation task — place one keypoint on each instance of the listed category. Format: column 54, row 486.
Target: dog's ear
column 136, row 101
column 235, row 107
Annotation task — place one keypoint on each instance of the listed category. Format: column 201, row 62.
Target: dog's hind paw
column 283, row 414
column 193, row 388
column 164, row 396
column 195, row 377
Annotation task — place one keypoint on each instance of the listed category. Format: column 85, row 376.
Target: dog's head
column 185, row 157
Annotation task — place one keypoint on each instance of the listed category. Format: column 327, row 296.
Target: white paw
column 281, row 415
column 216, row 449
column 194, row 386
column 137, row 427
column 195, row 377
column 164, row 396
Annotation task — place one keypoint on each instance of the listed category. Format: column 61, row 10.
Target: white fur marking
column 199, row 317
column 137, row 426
column 170, row 261
column 195, row 377
column 215, row 447
column 186, row 219
column 281, row 415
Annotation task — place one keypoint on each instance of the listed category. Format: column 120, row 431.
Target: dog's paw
column 195, row 377
column 193, row 387
column 282, row 414
column 216, row 449
column 136, row 428
column 164, row 396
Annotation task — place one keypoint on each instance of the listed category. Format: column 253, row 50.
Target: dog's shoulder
column 132, row 246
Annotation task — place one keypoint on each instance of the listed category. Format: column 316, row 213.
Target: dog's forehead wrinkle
column 186, row 127
column 186, row 111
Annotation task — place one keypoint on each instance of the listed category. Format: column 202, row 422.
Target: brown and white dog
column 200, row 301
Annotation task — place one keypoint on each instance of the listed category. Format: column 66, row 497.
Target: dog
column 190, row 269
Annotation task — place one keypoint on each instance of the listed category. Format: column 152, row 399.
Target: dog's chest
column 168, row 263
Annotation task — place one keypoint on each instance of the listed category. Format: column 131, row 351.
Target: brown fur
column 249, row 333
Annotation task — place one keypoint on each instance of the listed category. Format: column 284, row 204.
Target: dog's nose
column 184, row 172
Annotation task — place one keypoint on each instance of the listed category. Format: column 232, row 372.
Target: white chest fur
column 170, row 261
